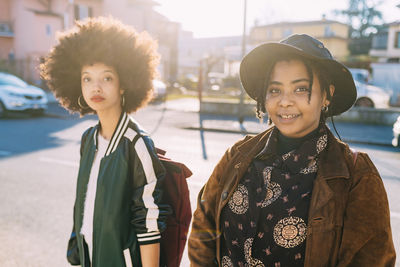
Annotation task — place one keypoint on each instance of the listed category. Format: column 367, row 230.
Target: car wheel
column 364, row 102
column 3, row 110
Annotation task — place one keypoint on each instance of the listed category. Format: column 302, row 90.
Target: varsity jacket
column 127, row 211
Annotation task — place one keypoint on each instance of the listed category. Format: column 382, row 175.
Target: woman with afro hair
column 104, row 67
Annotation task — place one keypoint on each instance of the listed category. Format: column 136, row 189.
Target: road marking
column 60, row 161
column 4, row 153
column 395, row 215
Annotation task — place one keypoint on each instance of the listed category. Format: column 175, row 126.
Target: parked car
column 160, row 90
column 396, row 132
column 368, row 95
column 17, row 95
column 361, row 75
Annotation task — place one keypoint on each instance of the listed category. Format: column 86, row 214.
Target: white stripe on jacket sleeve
column 148, row 236
column 128, row 258
column 151, row 180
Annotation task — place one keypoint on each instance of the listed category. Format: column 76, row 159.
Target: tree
column 364, row 19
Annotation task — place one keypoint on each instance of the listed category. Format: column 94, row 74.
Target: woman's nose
column 286, row 99
column 97, row 87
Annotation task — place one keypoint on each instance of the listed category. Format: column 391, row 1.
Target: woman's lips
column 97, row 98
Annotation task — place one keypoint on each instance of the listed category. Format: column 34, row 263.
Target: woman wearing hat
column 293, row 195
column 106, row 68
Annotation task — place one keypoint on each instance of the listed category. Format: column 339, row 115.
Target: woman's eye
column 302, row 89
column 108, row 79
column 86, row 79
column 273, row 91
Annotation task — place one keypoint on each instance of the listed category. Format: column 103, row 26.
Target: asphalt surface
column 39, row 158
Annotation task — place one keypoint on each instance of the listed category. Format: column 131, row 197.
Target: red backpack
column 176, row 194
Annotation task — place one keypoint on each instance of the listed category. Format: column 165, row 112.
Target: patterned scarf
column 265, row 221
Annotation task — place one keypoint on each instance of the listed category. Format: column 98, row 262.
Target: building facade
column 333, row 34
column 208, row 50
column 386, row 44
column 28, row 29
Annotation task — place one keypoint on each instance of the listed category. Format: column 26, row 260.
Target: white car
column 368, row 95
column 160, row 90
column 371, row 96
column 396, row 132
column 17, row 95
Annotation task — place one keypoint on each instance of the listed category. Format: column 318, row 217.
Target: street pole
column 241, row 101
column 200, row 83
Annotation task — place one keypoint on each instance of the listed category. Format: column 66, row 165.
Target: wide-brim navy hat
column 255, row 64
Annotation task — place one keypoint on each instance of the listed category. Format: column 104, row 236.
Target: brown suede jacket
column 349, row 219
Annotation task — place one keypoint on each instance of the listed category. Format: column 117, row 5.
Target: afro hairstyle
column 102, row 40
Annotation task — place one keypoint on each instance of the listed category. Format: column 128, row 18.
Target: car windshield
column 359, row 75
column 6, row 79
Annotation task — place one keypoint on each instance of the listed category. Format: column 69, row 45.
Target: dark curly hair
column 102, row 40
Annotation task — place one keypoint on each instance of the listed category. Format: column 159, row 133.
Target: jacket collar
column 333, row 163
column 117, row 135
column 253, row 146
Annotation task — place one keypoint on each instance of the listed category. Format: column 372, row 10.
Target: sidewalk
column 349, row 132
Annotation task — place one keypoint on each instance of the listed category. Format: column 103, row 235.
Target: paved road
column 38, row 167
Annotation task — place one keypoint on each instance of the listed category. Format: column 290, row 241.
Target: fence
column 27, row 69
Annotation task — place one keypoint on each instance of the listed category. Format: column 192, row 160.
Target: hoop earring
column 80, row 104
column 325, row 109
column 123, row 101
column 269, row 121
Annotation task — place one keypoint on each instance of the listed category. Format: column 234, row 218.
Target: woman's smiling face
column 288, row 101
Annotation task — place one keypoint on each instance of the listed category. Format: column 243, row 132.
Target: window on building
column 82, row 12
column 287, row 32
column 380, row 40
column 328, row 31
column 48, row 29
column 5, row 27
column 269, row 34
column 397, row 40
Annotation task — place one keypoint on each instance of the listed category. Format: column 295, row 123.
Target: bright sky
column 209, row 18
